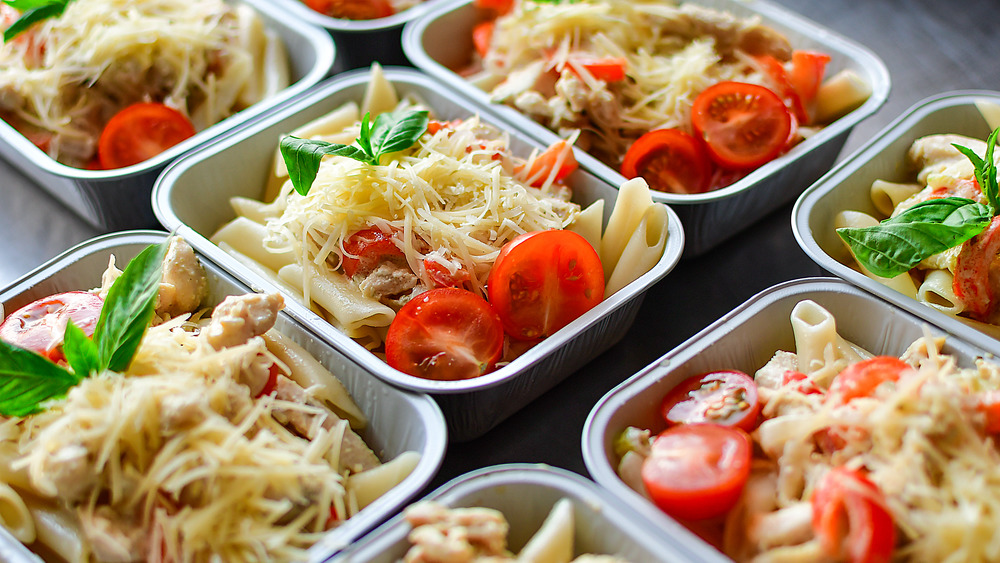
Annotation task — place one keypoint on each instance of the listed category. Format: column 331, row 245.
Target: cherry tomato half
column 850, row 518
column 744, row 125
column 352, row 9
column 861, row 378
column 445, row 334
column 140, row 132
column 365, row 249
column 41, row 325
column 671, row 161
column 728, row 398
column 541, row 281
column 697, row 471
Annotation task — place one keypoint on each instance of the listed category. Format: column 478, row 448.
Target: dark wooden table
column 929, row 47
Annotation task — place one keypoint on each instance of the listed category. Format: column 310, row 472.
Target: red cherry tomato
column 850, row 518
column 744, row 125
column 543, row 164
column 365, row 249
column 140, row 132
column 697, row 471
column 800, row 382
column 541, row 281
column 352, row 9
column 671, row 161
column 784, row 88
column 445, row 334
column 808, row 68
column 972, row 272
column 860, row 379
column 500, row 7
column 728, row 398
column 482, row 36
column 41, row 325
column 608, row 69
column 442, row 277
column 989, row 404
column 272, row 380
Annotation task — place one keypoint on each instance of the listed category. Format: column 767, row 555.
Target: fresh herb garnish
column 32, row 12
column 391, row 132
column 28, row 379
column 899, row 243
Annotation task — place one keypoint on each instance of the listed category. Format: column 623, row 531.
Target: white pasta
column 937, row 291
column 822, row 353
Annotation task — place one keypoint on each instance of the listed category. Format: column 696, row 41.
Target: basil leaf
column 81, row 352
column 302, row 158
column 28, row 379
column 129, row 308
column 33, row 12
column 365, row 137
column 985, row 170
column 397, row 131
column 929, row 227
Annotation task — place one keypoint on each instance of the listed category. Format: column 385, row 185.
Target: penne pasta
column 247, row 237
column 633, row 200
column 15, row 516
column 341, row 299
column 371, row 484
column 937, row 291
column 589, row 224
column 643, row 250
column 822, row 352
column 886, row 196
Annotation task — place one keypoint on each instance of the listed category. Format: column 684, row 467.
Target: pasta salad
column 152, row 429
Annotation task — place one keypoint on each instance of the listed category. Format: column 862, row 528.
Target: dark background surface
column 928, row 46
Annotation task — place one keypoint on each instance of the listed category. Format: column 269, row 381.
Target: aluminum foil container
column 440, row 42
column 847, row 187
column 361, row 42
column 398, row 420
column 120, row 198
column 525, row 494
column 745, row 339
column 193, row 195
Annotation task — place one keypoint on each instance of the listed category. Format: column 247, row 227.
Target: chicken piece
column 184, row 284
column 455, row 535
column 940, row 163
column 355, row 455
column 790, row 525
column 112, row 537
column 64, row 474
column 389, row 280
column 730, row 33
column 241, row 317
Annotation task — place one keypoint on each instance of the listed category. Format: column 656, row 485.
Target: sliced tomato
column 727, row 397
column 557, row 157
column 445, row 334
column 800, row 382
column 40, row 326
column 697, row 471
column 272, row 380
column 365, row 249
column 608, row 69
column 988, row 403
column 783, row 87
column 352, row 9
column 850, row 518
column 744, row 125
column 808, row 68
column 670, row 160
column 860, row 379
column 499, row 7
column 440, row 276
column 140, row 132
column 972, row 272
column 542, row 281
column 482, row 36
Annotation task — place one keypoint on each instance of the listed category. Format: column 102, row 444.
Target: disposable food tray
column 193, row 195
column 525, row 494
column 361, row 42
column 847, row 187
column 120, row 198
column 745, row 339
column 398, row 420
column 440, row 42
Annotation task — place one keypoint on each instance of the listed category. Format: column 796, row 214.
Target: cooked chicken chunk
column 730, row 33
column 112, row 537
column 241, row 317
column 939, row 161
column 184, row 284
column 455, row 535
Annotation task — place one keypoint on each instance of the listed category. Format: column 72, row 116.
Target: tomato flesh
column 670, row 160
column 542, row 281
column 808, row 68
column 860, row 379
column 445, row 334
column 608, row 69
column 40, row 326
column 728, row 398
column 365, row 249
column 697, row 471
column 140, row 132
column 543, row 165
column 850, row 518
column 352, row 9
column 744, row 125
column 972, row 272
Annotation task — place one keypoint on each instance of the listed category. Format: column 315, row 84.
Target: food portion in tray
column 104, row 84
column 690, row 98
column 480, row 534
column 360, row 9
column 853, row 456
column 431, row 242
column 138, row 425
column 940, row 236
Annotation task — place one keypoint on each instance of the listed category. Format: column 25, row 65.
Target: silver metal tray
column 525, row 494
column 847, row 187
column 441, row 40
column 399, row 420
column 745, row 339
column 193, row 197
column 120, row 198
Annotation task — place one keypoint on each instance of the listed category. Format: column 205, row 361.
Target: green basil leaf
column 302, row 158
column 81, row 352
column 32, row 16
column 397, row 131
column 985, row 170
column 129, row 308
column 365, row 137
column 901, row 242
column 28, row 379
column 24, row 5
